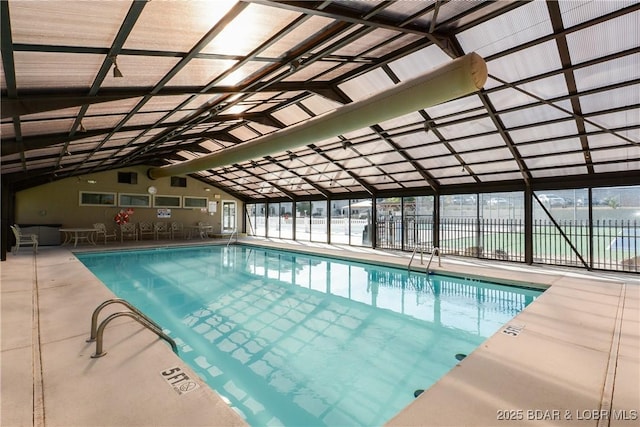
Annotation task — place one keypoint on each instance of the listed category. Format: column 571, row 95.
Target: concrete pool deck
column 571, row 358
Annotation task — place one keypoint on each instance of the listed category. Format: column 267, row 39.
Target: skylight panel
column 145, row 119
column 372, row 147
column 630, row 152
column 577, row 12
column 198, row 72
column 455, row 106
column 66, row 112
column 467, row 129
column 523, row 24
column 388, row 157
column 456, row 180
column 617, row 167
column 45, row 127
column 533, row 61
column 613, row 98
column 538, row 114
column 101, row 122
column 548, row 88
column 486, row 155
column 556, row 172
column 558, row 160
column 607, row 73
column 243, row 133
column 163, row 103
column 432, row 163
column 393, row 45
column 51, row 70
column 367, row 85
column 48, row 151
column 431, row 150
column 495, row 167
column 614, row 35
column 404, row 167
column 502, row 176
column 548, row 130
column 419, row 63
column 508, row 98
column 291, row 115
column 355, row 162
column 319, row 104
column 7, row 130
column 605, row 140
column 478, row 143
column 241, row 73
column 616, row 120
column 63, row 24
column 255, row 24
column 550, row 147
column 295, row 36
column 366, row 42
column 419, row 138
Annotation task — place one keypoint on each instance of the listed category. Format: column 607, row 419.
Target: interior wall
column 58, row 202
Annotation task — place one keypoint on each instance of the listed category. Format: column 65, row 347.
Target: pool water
column 292, row 339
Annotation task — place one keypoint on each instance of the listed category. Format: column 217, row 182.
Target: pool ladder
column 235, row 231
column 433, row 252
column 97, row 332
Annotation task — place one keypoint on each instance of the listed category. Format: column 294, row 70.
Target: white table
column 203, row 230
column 75, row 234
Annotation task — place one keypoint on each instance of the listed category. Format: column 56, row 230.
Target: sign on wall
column 164, row 213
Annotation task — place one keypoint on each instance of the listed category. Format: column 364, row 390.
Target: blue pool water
column 298, row 340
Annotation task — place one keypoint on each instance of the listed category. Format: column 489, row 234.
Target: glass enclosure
column 590, row 228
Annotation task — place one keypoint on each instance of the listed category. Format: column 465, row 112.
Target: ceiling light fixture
column 116, row 71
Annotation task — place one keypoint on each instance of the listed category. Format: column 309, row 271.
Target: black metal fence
column 605, row 245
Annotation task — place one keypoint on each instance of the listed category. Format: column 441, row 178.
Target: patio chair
column 103, row 232
column 128, row 229
column 145, row 229
column 23, row 239
column 177, row 229
column 162, row 228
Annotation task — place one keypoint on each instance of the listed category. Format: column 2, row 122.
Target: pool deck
column 572, row 357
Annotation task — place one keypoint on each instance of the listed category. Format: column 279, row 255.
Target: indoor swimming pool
column 292, row 339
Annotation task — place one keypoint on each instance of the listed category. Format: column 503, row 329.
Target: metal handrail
column 98, row 331
column 421, row 257
column 235, row 231
column 96, row 312
column 431, row 258
column 143, row 320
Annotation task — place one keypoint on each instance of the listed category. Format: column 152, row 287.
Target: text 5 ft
column 510, row 414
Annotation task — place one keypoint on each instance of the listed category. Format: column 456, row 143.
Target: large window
column 418, row 222
column 590, row 228
column 303, row 221
column 319, row 221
